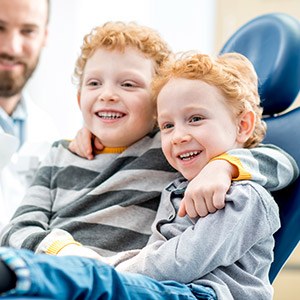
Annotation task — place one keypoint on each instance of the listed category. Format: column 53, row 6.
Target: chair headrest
column 272, row 43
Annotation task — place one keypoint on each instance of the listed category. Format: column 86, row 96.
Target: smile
column 110, row 115
column 189, row 155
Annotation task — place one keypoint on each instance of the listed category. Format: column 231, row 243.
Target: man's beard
column 12, row 84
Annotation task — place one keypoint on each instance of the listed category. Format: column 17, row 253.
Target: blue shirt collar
column 15, row 124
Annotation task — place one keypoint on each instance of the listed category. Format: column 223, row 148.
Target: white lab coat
column 18, row 173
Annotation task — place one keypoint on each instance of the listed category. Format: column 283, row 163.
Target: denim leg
column 71, row 277
column 143, row 287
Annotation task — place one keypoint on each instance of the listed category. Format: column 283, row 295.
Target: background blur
column 203, row 25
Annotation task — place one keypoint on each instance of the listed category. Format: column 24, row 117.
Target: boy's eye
column 93, row 83
column 196, row 119
column 128, row 84
column 166, row 126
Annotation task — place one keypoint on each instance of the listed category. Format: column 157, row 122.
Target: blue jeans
column 72, row 277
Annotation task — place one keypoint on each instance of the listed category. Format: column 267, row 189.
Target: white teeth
column 189, row 155
column 110, row 115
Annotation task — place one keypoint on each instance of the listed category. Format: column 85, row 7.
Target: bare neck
column 9, row 104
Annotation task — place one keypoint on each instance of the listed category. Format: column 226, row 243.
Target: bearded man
column 23, row 34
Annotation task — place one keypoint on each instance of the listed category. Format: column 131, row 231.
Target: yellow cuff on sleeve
column 243, row 174
column 56, row 246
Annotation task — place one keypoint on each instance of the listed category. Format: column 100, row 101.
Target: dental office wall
column 185, row 26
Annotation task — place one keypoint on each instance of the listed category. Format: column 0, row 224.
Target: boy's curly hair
column 118, row 36
column 232, row 73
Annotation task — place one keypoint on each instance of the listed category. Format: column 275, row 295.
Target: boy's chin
column 189, row 175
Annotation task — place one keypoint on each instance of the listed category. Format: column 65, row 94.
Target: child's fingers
column 181, row 210
column 84, row 140
column 72, row 146
column 97, row 144
column 80, row 149
column 209, row 205
column 219, row 199
column 196, row 208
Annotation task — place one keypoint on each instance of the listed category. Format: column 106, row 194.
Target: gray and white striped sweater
column 109, row 203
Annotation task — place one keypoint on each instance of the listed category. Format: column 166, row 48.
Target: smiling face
column 196, row 124
column 115, row 96
column 23, row 32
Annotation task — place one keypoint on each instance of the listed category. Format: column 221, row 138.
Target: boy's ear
column 246, row 126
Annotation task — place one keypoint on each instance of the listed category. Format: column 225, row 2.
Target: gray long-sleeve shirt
column 230, row 250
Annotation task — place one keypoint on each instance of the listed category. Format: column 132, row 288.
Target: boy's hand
column 84, row 144
column 206, row 192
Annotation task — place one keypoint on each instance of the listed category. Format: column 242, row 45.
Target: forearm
column 23, row 234
column 268, row 165
column 29, row 225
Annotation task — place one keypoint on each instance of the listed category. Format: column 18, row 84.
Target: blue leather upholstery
column 272, row 43
column 284, row 132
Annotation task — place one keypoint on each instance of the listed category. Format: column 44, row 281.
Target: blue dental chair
column 272, row 43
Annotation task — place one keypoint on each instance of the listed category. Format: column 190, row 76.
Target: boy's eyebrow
column 138, row 76
column 132, row 73
column 126, row 72
column 187, row 109
column 162, row 116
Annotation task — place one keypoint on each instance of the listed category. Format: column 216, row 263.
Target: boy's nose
column 108, row 93
column 180, row 138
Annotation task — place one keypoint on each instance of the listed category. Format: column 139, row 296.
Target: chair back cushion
column 271, row 42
